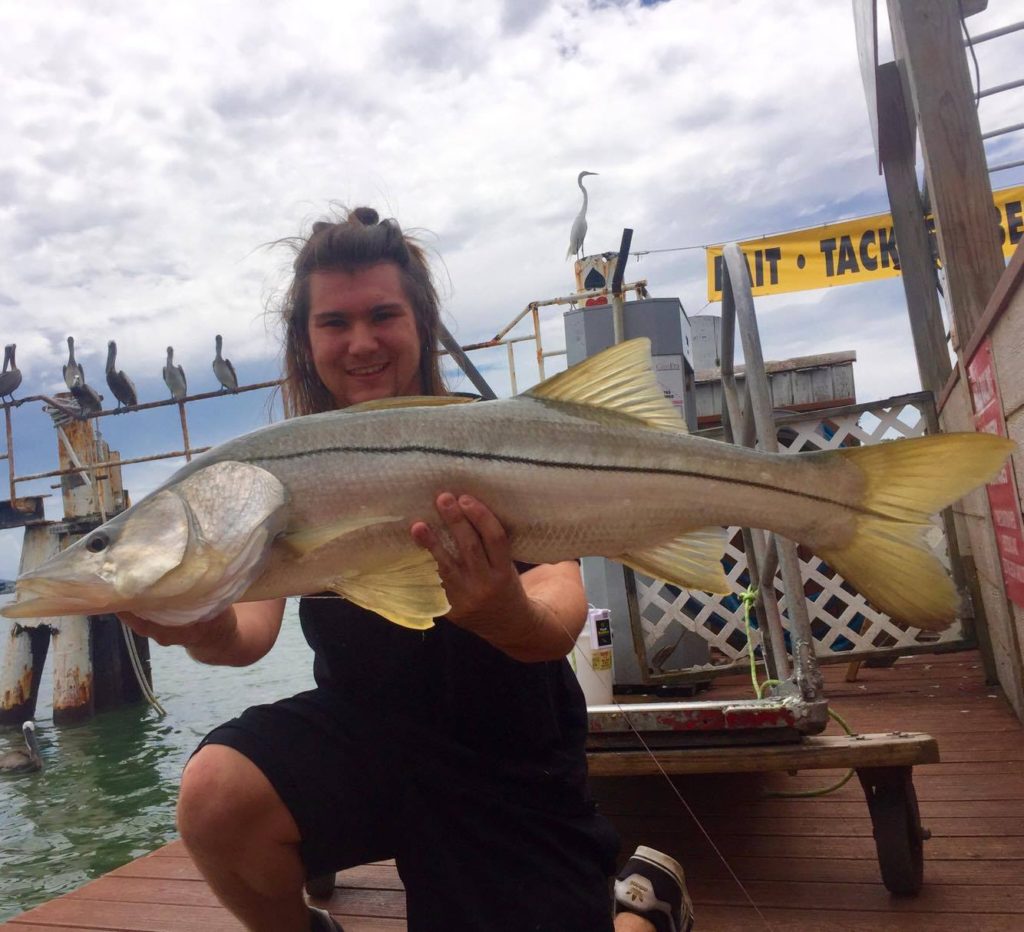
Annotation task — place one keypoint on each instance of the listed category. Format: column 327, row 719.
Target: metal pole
column 738, row 278
column 540, row 349
column 618, row 324
column 452, row 345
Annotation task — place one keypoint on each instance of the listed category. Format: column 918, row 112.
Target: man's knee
column 226, row 801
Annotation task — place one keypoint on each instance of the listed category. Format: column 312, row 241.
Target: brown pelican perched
column 89, row 400
column 120, row 384
column 23, row 761
column 579, row 225
column 10, row 378
column 223, row 369
column 174, row 376
column 72, row 369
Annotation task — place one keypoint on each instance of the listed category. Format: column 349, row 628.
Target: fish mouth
column 35, row 598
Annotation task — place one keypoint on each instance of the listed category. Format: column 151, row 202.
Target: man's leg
column 243, row 840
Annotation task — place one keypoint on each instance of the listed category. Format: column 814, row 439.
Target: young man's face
column 362, row 334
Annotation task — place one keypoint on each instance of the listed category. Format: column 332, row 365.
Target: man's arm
column 533, row 617
column 237, row 637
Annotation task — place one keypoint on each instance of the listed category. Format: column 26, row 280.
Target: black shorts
column 473, row 854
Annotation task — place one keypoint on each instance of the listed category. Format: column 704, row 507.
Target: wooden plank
column 813, row 753
column 929, row 49
column 743, row 919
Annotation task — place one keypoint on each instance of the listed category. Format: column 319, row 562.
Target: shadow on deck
column 807, row 864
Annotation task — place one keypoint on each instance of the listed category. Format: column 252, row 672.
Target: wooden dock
column 808, row 864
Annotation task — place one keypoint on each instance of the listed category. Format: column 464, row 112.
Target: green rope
column 749, row 597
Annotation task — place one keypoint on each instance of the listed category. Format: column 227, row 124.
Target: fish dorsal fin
column 308, row 540
column 693, row 561
column 408, row 593
column 618, row 379
column 409, row 401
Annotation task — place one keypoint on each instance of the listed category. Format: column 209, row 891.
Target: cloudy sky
column 153, row 150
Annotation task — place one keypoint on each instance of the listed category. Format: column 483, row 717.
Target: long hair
column 359, row 240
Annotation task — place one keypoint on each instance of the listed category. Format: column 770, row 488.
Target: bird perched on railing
column 72, row 369
column 89, row 400
column 122, row 386
column 23, row 761
column 223, row 369
column 10, row 377
column 579, row 226
column 174, row 376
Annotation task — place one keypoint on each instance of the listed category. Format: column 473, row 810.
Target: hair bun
column 367, row 216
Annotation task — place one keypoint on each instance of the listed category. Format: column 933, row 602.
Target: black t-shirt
column 520, row 723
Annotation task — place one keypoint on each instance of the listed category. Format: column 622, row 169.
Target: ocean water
column 108, row 788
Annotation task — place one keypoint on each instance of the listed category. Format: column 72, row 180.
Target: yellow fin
column 409, row 592
column 906, row 481
column 618, row 379
column 409, row 401
column 693, row 561
column 306, row 541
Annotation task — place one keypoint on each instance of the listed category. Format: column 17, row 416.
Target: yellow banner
column 844, row 253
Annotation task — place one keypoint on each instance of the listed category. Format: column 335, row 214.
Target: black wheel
column 896, row 824
column 320, row 887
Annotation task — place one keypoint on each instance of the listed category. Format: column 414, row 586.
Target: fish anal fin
column 408, row 593
column 309, row 540
column 693, row 561
column 618, row 379
column 409, row 401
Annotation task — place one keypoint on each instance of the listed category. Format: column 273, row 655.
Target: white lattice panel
column 842, row 621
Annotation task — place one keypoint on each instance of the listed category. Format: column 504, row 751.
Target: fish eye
column 97, row 543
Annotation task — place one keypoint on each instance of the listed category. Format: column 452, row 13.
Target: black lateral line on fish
column 558, row 464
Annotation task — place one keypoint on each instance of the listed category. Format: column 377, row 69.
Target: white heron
column 579, row 226
column 174, row 377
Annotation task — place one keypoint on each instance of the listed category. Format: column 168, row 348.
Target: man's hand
column 533, row 617
column 479, row 577
column 190, row 636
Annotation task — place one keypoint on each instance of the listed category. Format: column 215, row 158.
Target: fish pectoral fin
column 409, row 592
column 693, row 561
column 618, row 379
column 409, row 401
column 309, row 540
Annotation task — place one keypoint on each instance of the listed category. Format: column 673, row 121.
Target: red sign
column 1002, row 491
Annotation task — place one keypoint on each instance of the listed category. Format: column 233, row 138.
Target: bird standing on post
column 120, row 384
column 579, row 226
column 223, row 369
column 72, row 370
column 89, row 400
column 10, row 378
column 174, row 376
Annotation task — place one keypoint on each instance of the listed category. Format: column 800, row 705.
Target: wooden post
column 897, row 148
column 28, row 640
column 933, row 67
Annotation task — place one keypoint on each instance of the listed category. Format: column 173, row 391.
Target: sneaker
column 653, row 886
column 322, row 921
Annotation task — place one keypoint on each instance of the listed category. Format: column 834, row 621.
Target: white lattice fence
column 844, row 624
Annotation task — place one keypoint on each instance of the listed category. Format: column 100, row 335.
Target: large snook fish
column 594, row 461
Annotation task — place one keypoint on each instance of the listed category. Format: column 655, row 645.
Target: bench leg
column 896, row 824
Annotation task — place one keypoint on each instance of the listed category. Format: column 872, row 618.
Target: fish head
column 180, row 555
column 109, row 568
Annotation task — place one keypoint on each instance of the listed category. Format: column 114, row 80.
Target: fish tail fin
column 887, row 559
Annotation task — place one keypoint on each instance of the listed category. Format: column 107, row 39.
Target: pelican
column 174, row 376
column 223, row 369
column 23, row 761
column 89, row 400
column 120, row 384
column 579, row 226
column 72, row 368
column 10, row 378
